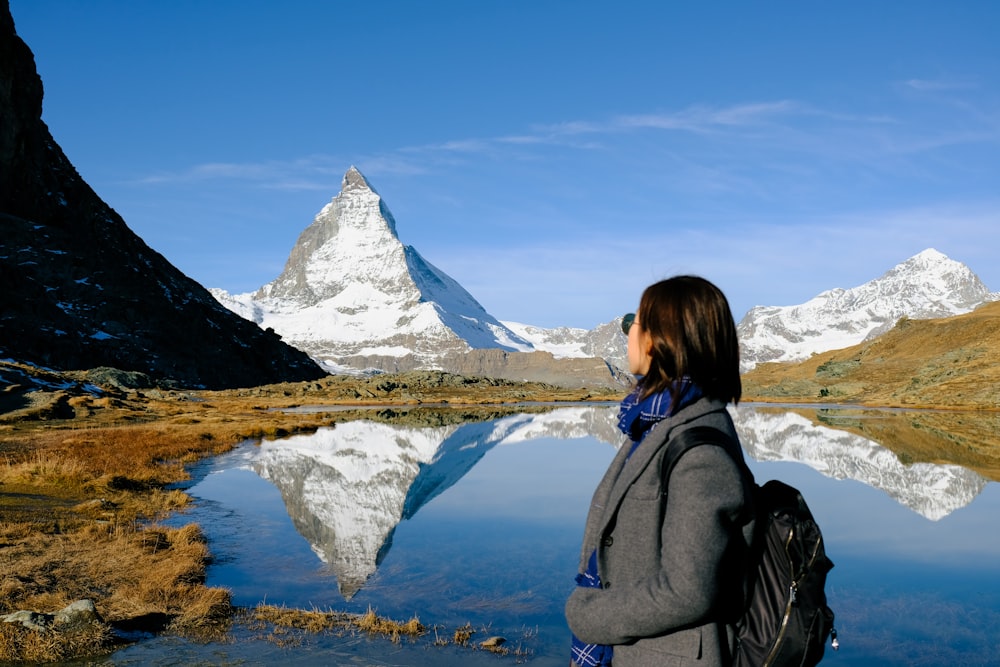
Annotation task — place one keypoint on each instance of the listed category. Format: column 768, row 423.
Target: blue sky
column 553, row 157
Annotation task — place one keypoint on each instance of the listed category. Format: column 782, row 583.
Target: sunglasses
column 627, row 322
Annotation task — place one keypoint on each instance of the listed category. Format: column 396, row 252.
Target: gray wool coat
column 670, row 557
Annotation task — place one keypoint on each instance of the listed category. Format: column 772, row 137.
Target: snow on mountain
column 350, row 288
column 352, row 296
column 562, row 342
column 605, row 341
column 927, row 285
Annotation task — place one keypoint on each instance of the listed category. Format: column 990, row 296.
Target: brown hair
column 693, row 334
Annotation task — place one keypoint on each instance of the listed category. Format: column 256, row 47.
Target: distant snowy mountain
column 354, row 298
column 926, row 286
column 605, row 341
column 560, row 341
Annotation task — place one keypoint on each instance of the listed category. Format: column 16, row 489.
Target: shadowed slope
column 78, row 289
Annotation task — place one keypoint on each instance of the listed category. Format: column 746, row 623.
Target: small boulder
column 77, row 616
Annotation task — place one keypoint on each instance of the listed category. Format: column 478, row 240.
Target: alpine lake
column 478, row 524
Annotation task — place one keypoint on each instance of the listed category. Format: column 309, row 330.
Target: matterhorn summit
column 353, row 296
column 926, row 286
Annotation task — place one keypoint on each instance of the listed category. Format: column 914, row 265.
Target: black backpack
column 786, row 620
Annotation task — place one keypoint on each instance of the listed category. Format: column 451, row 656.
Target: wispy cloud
column 725, row 148
column 301, row 174
column 455, row 146
column 789, row 124
column 935, row 85
column 706, row 119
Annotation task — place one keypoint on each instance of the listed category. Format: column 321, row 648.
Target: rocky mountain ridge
column 80, row 290
column 926, row 286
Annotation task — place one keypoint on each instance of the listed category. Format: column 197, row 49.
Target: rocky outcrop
column 81, row 290
column 516, row 366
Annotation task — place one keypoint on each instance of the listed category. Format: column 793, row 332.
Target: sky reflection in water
column 498, row 546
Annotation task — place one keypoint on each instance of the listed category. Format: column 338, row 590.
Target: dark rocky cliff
column 78, row 289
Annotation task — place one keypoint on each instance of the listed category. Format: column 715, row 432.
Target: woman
column 661, row 564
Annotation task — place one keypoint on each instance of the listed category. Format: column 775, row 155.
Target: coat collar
column 625, row 470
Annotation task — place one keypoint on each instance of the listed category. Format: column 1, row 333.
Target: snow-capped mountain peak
column 351, row 241
column 352, row 292
column 927, row 285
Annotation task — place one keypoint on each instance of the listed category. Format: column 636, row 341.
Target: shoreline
column 93, row 474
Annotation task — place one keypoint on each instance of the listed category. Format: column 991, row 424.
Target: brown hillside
column 947, row 363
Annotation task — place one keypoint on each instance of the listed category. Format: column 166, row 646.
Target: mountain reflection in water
column 932, row 490
column 346, row 488
column 468, row 516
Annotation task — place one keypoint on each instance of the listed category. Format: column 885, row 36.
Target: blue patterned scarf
column 635, row 418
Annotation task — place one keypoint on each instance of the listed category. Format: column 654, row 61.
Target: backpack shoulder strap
column 708, row 435
column 700, row 435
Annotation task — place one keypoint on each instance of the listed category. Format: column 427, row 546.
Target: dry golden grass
column 129, row 569
column 462, row 635
column 74, row 502
column 282, row 620
column 136, row 575
column 321, row 621
column 374, row 624
column 19, row 644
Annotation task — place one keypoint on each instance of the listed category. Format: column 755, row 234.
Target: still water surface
column 480, row 523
